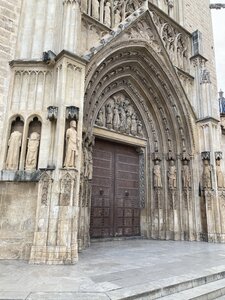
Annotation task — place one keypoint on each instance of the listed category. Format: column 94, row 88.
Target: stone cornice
column 179, row 71
column 208, row 119
column 199, row 56
column 89, row 19
column 71, row 55
column 31, row 62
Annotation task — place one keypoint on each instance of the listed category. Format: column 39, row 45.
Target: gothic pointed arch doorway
column 166, row 121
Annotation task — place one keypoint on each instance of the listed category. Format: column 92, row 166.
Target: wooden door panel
column 127, row 192
column 101, row 224
column 115, row 191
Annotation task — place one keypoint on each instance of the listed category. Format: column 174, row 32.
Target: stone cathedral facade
column 109, row 125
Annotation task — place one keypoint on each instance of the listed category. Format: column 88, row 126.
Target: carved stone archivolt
column 119, row 114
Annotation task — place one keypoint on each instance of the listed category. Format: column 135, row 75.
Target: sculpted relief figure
column 100, row 118
column 109, row 116
column 88, row 159
column 206, row 176
column 32, row 151
column 172, row 175
column 140, row 129
column 116, row 118
column 117, row 17
column 95, row 9
column 120, row 115
column 122, row 118
column 14, row 143
column 219, row 175
column 133, row 125
column 186, row 175
column 107, row 16
column 157, row 175
column 71, row 146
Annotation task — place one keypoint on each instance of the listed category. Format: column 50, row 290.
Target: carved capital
column 52, row 113
column 156, row 156
column 218, row 155
column 185, row 156
column 72, row 113
column 205, row 155
column 171, row 156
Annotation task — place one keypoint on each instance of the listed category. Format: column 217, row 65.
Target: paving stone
column 67, row 296
column 118, row 269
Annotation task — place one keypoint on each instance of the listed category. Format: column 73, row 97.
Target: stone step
column 212, row 285
column 209, row 291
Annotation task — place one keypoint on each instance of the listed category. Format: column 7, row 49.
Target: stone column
column 71, row 25
column 55, row 238
column 211, row 199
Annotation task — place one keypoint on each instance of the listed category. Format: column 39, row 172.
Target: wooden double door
column 115, row 206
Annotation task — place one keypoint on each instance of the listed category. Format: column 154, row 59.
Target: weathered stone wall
column 18, row 203
column 9, row 21
column 197, row 16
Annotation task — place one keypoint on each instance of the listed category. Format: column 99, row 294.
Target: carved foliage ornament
column 118, row 114
column 45, row 184
column 66, row 188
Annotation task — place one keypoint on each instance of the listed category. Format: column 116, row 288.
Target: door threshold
column 118, row 238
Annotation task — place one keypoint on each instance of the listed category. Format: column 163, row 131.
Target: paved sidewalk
column 108, row 269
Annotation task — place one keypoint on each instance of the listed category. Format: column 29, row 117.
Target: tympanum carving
column 119, row 114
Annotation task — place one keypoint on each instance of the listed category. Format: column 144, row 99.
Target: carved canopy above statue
column 119, row 114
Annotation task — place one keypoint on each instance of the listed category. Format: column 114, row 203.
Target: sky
column 218, row 17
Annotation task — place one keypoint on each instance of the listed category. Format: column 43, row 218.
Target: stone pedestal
column 55, row 237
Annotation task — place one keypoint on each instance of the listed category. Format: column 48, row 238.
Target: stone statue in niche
column 88, row 160
column 117, row 18
column 95, row 9
column 32, row 151
column 71, row 146
column 186, row 175
column 157, row 179
column 172, row 175
column 206, row 176
column 119, row 114
column 219, row 175
column 13, row 154
column 107, row 16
